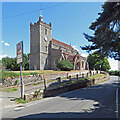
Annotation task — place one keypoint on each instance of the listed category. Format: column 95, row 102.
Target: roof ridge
column 63, row 43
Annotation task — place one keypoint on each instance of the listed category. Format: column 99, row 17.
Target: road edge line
column 117, row 109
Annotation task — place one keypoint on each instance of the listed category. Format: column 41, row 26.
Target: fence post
column 67, row 75
column 44, row 82
column 82, row 74
column 58, row 80
column 77, row 76
column 90, row 73
column 70, row 77
column 87, row 74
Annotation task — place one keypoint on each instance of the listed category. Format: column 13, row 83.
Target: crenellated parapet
column 40, row 22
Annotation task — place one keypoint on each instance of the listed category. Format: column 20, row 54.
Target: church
column 46, row 51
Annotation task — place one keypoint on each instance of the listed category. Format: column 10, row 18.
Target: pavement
column 8, row 98
column 97, row 101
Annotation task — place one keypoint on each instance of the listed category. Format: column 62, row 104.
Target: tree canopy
column 64, row 65
column 98, row 62
column 11, row 63
column 106, row 37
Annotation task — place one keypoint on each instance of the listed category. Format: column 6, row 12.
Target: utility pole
column 20, row 61
column 21, row 81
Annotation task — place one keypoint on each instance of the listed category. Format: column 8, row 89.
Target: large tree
column 98, row 62
column 11, row 63
column 65, row 65
column 106, row 38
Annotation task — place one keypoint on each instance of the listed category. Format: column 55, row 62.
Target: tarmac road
column 97, row 101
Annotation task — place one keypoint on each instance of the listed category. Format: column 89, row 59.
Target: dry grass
column 42, row 71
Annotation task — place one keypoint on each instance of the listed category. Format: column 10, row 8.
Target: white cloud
column 2, row 41
column 75, row 47
column 84, row 55
column 2, row 56
column 113, row 64
column 6, row 44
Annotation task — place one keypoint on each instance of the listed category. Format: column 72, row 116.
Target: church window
column 60, row 48
column 45, row 48
column 46, row 61
column 82, row 64
column 45, row 31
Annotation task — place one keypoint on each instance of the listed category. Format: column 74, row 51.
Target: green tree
column 11, row 63
column 106, row 37
column 64, row 65
column 26, row 61
column 98, row 62
column 7, row 62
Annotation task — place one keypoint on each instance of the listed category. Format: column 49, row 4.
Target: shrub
column 16, row 82
column 20, row 100
column 64, row 65
column 114, row 73
column 34, row 73
column 6, row 74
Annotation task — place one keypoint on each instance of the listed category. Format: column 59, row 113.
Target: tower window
column 45, row 48
column 45, row 31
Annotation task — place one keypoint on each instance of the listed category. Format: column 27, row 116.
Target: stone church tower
column 40, row 37
column 46, row 51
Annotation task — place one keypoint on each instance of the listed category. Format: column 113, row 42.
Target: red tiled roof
column 63, row 44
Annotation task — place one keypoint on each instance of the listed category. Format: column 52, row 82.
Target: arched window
column 45, row 48
column 82, row 64
column 45, row 31
column 86, row 66
column 77, row 66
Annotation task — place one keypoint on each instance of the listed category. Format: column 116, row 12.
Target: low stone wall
column 75, row 86
column 26, row 79
column 67, row 88
column 30, row 79
column 71, row 87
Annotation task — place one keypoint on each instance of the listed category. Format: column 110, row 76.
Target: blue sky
column 69, row 22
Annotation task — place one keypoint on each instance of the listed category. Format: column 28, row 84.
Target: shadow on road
column 104, row 94
column 64, row 115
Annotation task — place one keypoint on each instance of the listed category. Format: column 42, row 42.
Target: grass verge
column 20, row 100
column 10, row 89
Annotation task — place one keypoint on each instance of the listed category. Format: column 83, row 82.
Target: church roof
column 62, row 44
column 71, row 58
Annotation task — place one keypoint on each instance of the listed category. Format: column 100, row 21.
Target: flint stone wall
column 74, row 86
column 10, row 81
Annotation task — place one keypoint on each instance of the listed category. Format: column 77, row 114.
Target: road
column 97, row 101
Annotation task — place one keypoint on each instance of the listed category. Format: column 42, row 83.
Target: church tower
column 40, row 37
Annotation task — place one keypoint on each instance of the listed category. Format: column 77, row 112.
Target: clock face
column 45, row 39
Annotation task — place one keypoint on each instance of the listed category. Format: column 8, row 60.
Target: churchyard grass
column 6, row 74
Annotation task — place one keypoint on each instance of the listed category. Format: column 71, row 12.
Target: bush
column 34, row 73
column 114, row 73
column 64, row 65
column 6, row 74
column 16, row 82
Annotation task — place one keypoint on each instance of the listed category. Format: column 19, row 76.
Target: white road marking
column 18, row 108
column 117, row 109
